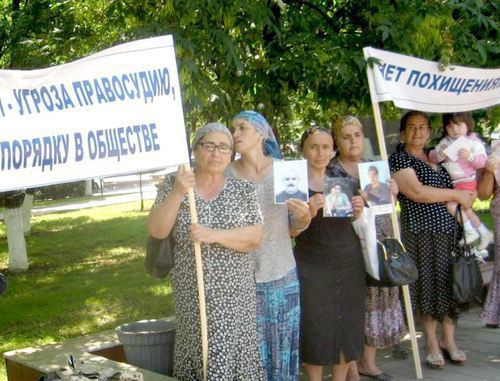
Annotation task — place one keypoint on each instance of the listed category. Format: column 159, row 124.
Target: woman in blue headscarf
column 278, row 305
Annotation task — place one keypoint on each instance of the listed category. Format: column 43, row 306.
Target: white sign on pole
column 417, row 84
column 115, row 112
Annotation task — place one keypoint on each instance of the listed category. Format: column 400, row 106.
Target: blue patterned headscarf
column 271, row 147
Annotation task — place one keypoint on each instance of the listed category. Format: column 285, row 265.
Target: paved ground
column 482, row 346
column 115, row 191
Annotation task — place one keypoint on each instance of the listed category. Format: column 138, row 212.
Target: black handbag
column 396, row 267
column 467, row 278
column 159, row 259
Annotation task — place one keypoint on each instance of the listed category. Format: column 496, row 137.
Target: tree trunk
column 18, row 257
column 26, row 210
column 88, row 187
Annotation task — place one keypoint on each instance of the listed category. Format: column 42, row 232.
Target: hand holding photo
column 290, row 180
column 338, row 196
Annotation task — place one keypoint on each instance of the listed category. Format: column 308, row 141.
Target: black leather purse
column 467, row 278
column 159, row 259
column 396, row 268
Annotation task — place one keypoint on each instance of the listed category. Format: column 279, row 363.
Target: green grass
column 86, row 275
column 482, row 209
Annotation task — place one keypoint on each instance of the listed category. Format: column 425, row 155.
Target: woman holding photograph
column 331, row 273
column 278, row 307
column 384, row 323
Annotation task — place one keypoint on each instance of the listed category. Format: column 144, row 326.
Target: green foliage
column 296, row 61
column 58, row 191
column 12, row 199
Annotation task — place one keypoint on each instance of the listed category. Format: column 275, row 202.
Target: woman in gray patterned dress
column 485, row 188
column 230, row 226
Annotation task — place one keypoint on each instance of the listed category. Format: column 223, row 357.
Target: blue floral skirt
column 278, row 327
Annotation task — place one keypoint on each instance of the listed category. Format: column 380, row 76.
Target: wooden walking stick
column 201, row 283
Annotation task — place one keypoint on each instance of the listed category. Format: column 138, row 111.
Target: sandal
column 434, row 360
column 457, row 358
column 379, row 377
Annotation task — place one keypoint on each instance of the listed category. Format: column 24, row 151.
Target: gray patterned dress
column 229, row 289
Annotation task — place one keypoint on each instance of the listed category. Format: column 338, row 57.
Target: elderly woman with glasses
column 229, row 228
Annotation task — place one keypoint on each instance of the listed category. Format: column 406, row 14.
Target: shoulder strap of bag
column 464, row 251
column 458, row 221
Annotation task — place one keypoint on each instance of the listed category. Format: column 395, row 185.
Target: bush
column 58, row 191
column 12, row 199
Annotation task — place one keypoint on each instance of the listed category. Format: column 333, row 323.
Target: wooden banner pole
column 201, row 283
column 395, row 226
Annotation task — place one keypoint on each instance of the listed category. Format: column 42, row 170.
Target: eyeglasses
column 210, row 147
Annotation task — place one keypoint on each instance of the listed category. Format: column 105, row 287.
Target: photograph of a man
column 290, row 180
column 375, row 186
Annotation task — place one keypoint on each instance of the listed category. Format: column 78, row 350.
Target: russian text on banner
column 417, row 84
column 116, row 112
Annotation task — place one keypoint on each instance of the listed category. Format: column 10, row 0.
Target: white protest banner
column 417, row 84
column 115, row 112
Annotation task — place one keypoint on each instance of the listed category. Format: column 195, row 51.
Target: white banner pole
column 395, row 226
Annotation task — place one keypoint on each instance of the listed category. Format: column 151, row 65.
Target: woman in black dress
column 331, row 274
column 427, row 233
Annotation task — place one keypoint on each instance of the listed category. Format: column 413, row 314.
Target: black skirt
column 332, row 284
